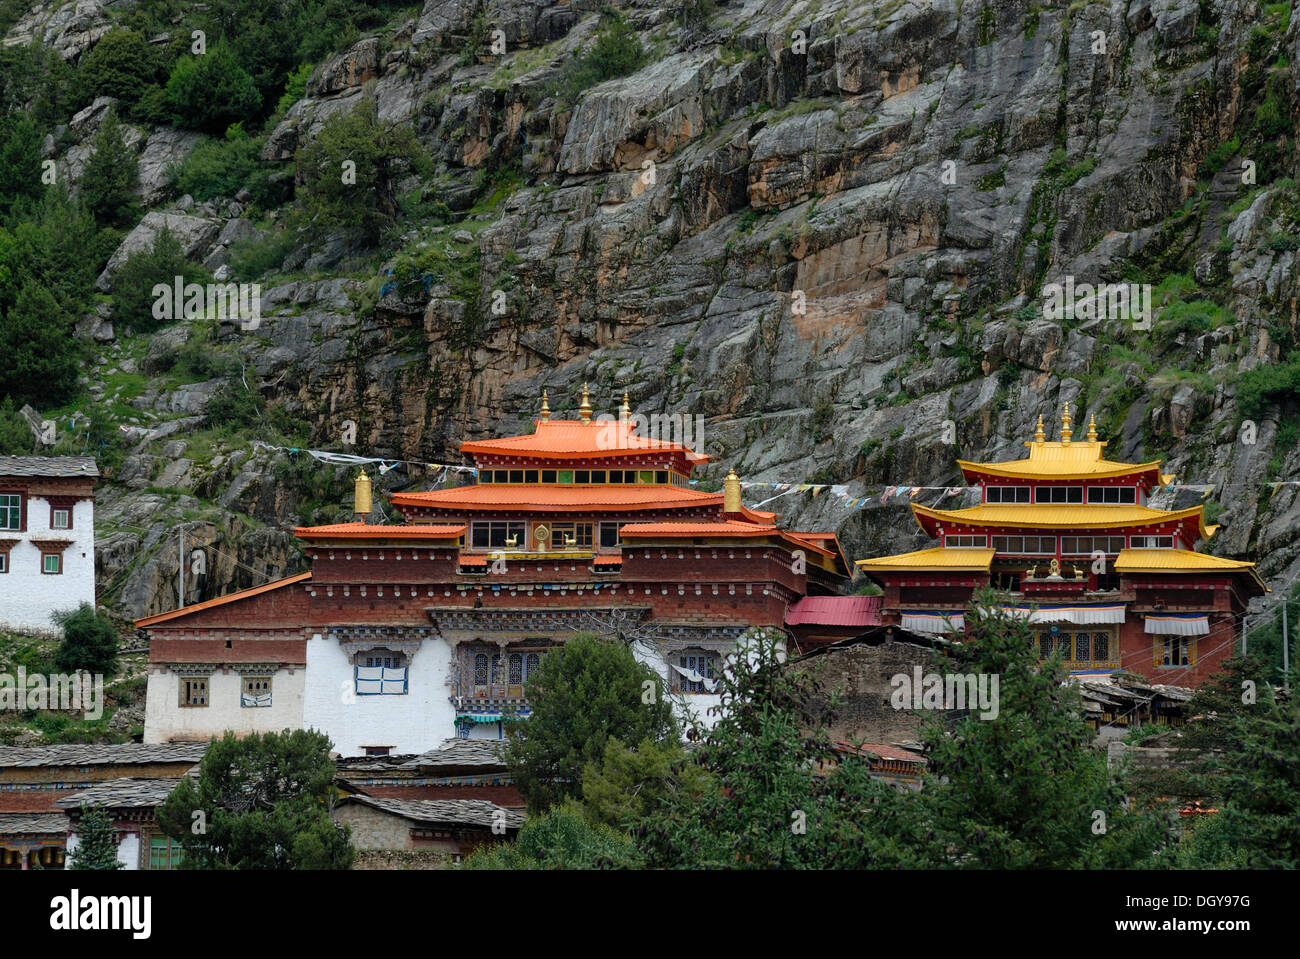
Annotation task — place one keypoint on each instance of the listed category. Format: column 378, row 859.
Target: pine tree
column 110, row 175
column 97, row 845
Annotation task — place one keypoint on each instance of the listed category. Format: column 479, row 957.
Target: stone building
column 47, row 538
column 445, row 830
column 403, row 635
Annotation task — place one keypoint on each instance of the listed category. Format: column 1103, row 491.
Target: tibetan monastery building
column 403, row 635
column 1108, row 581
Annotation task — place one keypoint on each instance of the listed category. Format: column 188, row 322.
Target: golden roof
column 1065, row 459
column 1060, row 517
column 1181, row 560
column 937, row 558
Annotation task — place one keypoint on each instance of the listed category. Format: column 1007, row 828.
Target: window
column 571, row 536
column 566, row 476
column 1007, row 494
column 598, row 476
column 661, row 476
column 1032, row 545
column 1079, row 648
column 257, row 692
column 165, row 852
column 1087, row 545
column 60, row 519
column 52, row 563
column 495, row 678
column 11, row 511
column 582, row 476
column 609, row 535
column 194, row 691
column 377, row 750
column 548, row 476
column 530, row 476
column 1175, row 651
column 494, row 535
column 4, row 562
column 380, row 673
column 966, row 541
column 1151, row 542
column 694, row 672
column 1059, row 494
column 1112, row 494
column 520, row 667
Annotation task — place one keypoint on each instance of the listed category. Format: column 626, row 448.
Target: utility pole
column 1286, row 649
column 1245, row 623
column 180, row 567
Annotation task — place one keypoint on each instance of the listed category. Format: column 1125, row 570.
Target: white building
column 47, row 538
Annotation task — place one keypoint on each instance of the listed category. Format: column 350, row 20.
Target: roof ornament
column 584, row 411
column 1066, row 432
column 731, row 502
column 546, row 409
column 1092, row 429
column 361, row 502
column 625, row 411
column 1039, row 435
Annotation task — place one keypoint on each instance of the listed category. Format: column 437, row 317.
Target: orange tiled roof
column 372, row 531
column 724, row 528
column 573, row 439
column 560, row 498
column 607, row 560
column 222, row 600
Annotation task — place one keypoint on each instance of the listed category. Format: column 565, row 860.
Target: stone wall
column 861, row 674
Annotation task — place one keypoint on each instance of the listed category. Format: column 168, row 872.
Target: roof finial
column 546, row 408
column 625, row 411
column 1066, row 432
column 361, row 499
column 1039, row 435
column 1092, row 429
column 584, row 411
column 731, row 502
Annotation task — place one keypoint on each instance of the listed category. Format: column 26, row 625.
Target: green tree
column 559, row 839
column 89, row 641
column 585, row 691
column 782, row 795
column 20, row 161
column 97, row 842
column 350, row 172
column 121, row 65
column 16, row 437
column 108, row 181
column 41, row 355
column 1024, row 789
column 135, row 279
column 211, row 91
column 260, row 802
column 629, row 783
column 616, row 52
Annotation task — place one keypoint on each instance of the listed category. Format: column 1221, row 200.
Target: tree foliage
column 261, row 802
column 561, row 838
column 135, row 279
column 90, row 641
column 108, row 182
column 586, row 691
column 1024, row 790
column 211, row 91
column 349, row 173
column 96, row 842
column 41, row 356
column 121, row 65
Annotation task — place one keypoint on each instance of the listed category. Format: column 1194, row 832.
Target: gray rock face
column 194, row 233
column 163, row 151
column 69, row 28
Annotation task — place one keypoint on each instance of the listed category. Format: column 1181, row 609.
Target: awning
column 933, row 621
column 694, row 677
column 1178, row 624
column 1078, row 615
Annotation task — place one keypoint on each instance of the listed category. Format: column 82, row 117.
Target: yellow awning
column 1182, row 561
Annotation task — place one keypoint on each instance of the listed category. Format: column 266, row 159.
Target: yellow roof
column 1062, row 461
column 1182, row 560
column 1060, row 517
column 936, row 558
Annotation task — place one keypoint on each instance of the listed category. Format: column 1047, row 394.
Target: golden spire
column 546, row 408
column 731, row 493
column 1092, row 429
column 361, row 503
column 625, row 411
column 584, row 411
column 1066, row 432
column 1039, row 435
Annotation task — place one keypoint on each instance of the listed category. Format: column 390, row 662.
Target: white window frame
column 1144, row 542
column 958, row 541
column 67, row 518
column 1001, row 491
column 1052, row 498
column 1120, row 499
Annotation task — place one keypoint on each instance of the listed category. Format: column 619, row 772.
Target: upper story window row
column 13, row 514
column 1095, row 495
column 1069, row 545
column 584, row 477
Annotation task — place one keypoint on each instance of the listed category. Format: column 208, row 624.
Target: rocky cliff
column 823, row 226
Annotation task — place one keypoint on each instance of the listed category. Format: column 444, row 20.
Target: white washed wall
column 166, row 720
column 28, row 596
